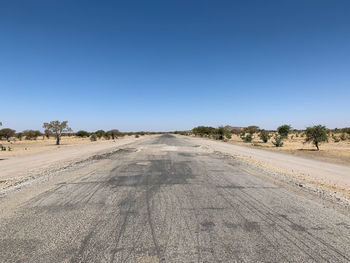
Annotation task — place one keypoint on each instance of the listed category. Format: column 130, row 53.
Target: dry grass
column 332, row 152
column 27, row 147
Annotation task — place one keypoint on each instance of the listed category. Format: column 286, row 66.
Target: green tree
column 264, row 136
column 7, row 133
column 82, row 134
column 222, row 133
column 100, row 133
column 19, row 135
column 251, row 129
column 284, row 130
column 204, row 131
column 316, row 135
column 31, row 134
column 113, row 133
column 48, row 133
column 57, row 128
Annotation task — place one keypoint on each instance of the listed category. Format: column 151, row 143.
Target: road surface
column 167, row 200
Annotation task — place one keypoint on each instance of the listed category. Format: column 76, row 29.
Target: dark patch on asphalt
column 230, row 225
column 124, row 180
column 207, row 225
column 186, row 154
column 251, row 226
column 297, row 227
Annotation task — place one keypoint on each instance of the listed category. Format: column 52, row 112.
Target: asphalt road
column 168, row 200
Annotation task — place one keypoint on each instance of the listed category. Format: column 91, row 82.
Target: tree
column 48, row 133
column 7, row 133
column 204, row 131
column 0, row 123
column 31, row 134
column 284, row 130
column 82, row 134
column 316, row 135
column 57, row 128
column 251, row 129
column 114, row 133
column 19, row 135
column 100, row 133
column 264, row 136
column 222, row 133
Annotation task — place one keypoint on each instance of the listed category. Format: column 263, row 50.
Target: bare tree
column 57, row 128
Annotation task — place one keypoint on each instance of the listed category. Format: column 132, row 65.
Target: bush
column 221, row 133
column 19, row 136
column 284, row 130
column 100, row 133
column 93, row 137
column 7, row 133
column 82, row 134
column 342, row 137
column 137, row 136
column 247, row 138
column 316, row 135
column 264, row 136
column 32, row 134
column 335, row 138
column 114, row 133
column 278, row 141
column 204, row 131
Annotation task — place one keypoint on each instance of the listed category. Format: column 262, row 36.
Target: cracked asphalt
column 168, row 200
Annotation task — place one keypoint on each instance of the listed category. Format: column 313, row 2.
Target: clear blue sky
column 173, row 65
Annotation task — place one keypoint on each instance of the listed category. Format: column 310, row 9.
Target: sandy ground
column 31, row 159
column 319, row 175
column 331, row 152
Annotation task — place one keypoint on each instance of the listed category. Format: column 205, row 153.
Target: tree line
column 57, row 129
column 316, row 134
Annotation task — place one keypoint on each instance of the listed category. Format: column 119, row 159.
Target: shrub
column 264, row 136
column 278, row 141
column 204, row 131
column 82, row 134
column 335, row 138
column 100, row 133
column 137, row 136
column 32, row 134
column 342, row 137
column 251, row 129
column 19, row 136
column 7, row 133
column 221, row 133
column 316, row 135
column 93, row 137
column 247, row 138
column 284, row 130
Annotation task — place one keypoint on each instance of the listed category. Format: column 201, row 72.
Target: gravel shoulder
column 326, row 178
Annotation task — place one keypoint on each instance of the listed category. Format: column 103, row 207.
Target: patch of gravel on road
column 298, row 184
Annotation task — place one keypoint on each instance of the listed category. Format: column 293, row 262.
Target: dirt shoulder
column 321, row 175
column 16, row 169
